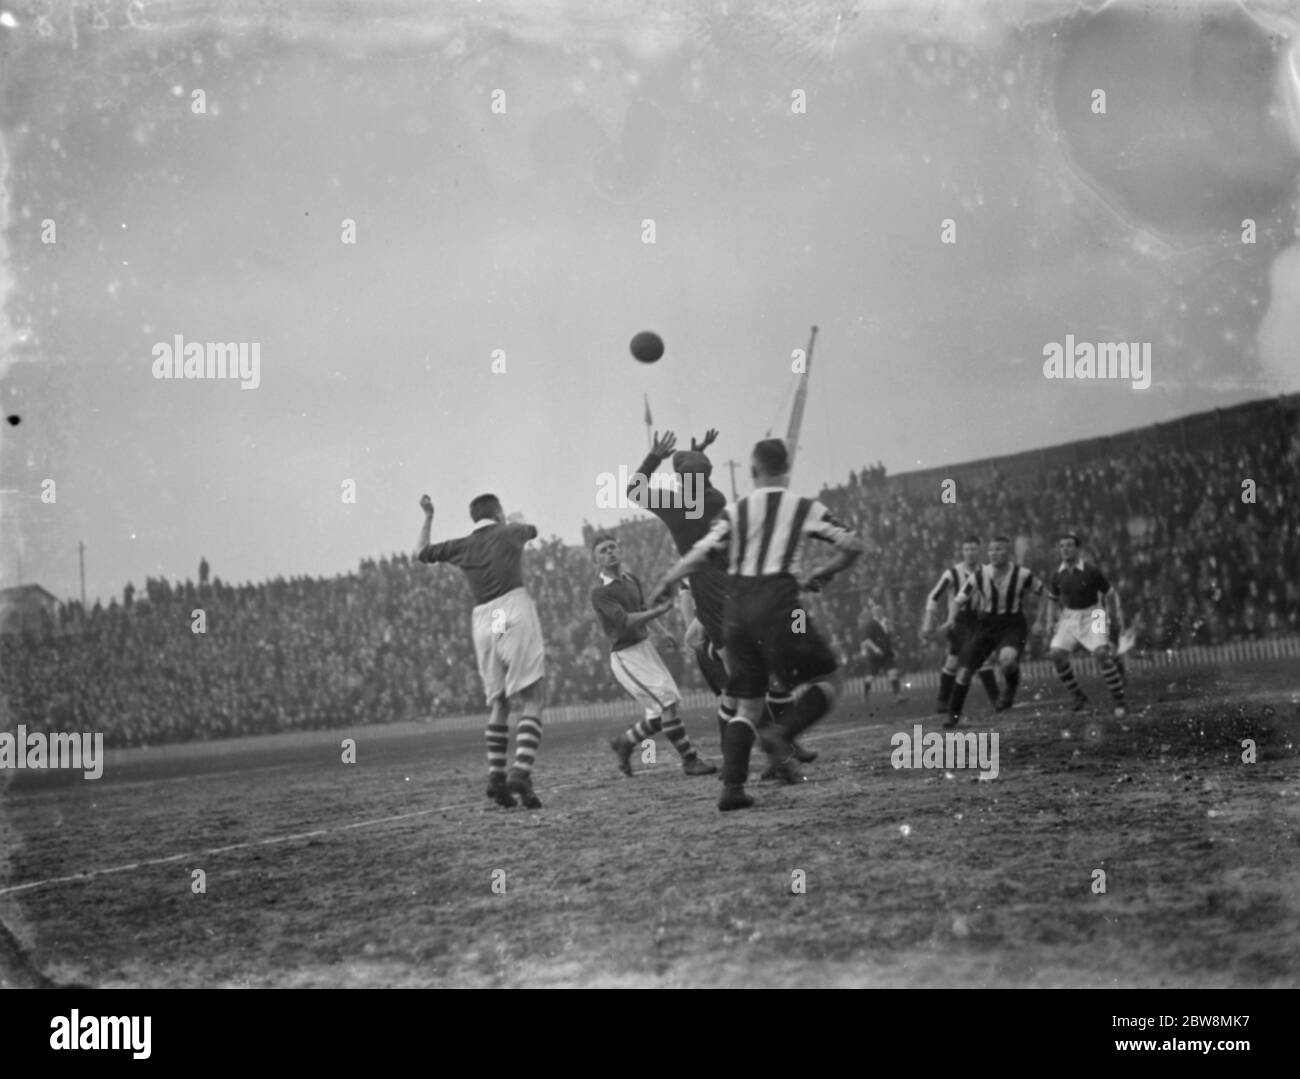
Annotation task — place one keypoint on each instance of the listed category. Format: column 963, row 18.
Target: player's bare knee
column 533, row 698
column 1008, row 659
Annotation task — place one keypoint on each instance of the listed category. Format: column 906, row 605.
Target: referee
column 766, row 630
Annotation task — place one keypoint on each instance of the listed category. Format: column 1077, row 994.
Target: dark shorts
column 761, row 640
column 709, row 588
column 992, row 634
column 960, row 633
column 715, row 674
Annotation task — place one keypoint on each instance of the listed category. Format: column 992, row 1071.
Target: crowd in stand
column 1197, row 554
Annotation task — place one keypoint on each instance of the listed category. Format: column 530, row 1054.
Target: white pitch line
column 267, row 842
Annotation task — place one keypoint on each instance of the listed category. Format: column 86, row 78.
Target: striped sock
column 676, row 732
column 1066, row 674
column 497, row 737
column 528, row 736
column 643, row 729
column 737, row 741
column 1114, row 679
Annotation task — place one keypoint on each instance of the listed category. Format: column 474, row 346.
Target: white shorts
column 1080, row 628
column 508, row 643
column 642, row 673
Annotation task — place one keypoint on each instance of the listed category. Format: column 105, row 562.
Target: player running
column 620, row 605
column 688, row 519
column 507, row 637
column 959, row 625
column 997, row 591
column 1076, row 588
column 767, row 630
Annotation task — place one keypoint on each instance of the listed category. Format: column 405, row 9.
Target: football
column 647, row 346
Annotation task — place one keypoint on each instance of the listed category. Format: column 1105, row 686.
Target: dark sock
column 959, row 692
column 779, row 704
column 808, row 709
column 725, row 712
column 896, row 684
column 946, row 681
column 990, row 682
column 1013, row 683
column 737, row 741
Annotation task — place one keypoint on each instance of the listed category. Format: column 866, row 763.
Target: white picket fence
column 626, row 709
column 1039, row 670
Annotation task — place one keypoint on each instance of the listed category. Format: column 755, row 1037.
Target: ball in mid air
column 647, row 346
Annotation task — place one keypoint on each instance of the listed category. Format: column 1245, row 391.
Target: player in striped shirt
column 997, row 592
column 507, row 637
column 1085, row 599
column 958, row 626
column 688, row 520
column 767, row 631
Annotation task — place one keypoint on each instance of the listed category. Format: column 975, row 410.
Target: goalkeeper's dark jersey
column 686, row 524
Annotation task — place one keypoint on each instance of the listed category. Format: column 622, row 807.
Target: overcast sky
column 523, row 230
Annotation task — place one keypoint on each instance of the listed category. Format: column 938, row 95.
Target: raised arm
column 638, row 488
column 710, row 437
column 426, row 504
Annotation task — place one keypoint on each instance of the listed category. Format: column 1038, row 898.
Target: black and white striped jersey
column 763, row 533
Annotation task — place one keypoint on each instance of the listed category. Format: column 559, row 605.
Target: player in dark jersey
column 958, row 626
column 688, row 518
column 767, row 631
column 998, row 592
column 879, row 651
column 710, row 662
column 1089, row 609
column 620, row 605
column 507, row 637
